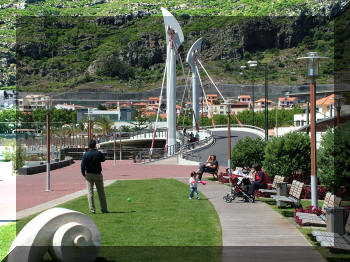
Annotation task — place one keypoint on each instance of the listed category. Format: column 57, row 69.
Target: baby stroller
column 239, row 183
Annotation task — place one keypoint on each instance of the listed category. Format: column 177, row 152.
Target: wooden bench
column 334, row 240
column 308, row 219
column 294, row 195
column 276, row 179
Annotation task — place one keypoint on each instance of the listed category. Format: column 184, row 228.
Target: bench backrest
column 276, row 180
column 296, row 189
column 330, row 200
column 347, row 225
column 292, row 187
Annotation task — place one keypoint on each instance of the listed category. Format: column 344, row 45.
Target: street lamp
column 338, row 107
column 289, row 85
column 252, row 98
column 256, row 64
column 114, row 146
column 89, row 127
column 228, row 111
column 48, row 142
column 312, row 72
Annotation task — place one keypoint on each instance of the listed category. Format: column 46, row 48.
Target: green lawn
column 7, row 234
column 159, row 214
column 307, row 231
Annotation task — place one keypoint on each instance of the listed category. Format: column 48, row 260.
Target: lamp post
column 289, row 85
column 312, row 72
column 228, row 111
column 114, row 146
column 338, row 107
column 48, row 142
column 252, row 98
column 89, row 127
column 265, row 65
column 120, row 143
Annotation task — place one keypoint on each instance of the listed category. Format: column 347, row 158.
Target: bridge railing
column 182, row 147
column 240, row 126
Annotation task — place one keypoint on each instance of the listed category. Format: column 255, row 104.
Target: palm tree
column 105, row 124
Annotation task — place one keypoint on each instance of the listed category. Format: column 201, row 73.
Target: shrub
column 247, row 152
column 18, row 157
column 288, row 155
column 221, row 177
column 334, row 158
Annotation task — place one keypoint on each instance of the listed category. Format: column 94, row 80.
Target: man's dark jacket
column 91, row 162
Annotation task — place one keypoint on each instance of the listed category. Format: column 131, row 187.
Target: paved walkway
column 254, row 226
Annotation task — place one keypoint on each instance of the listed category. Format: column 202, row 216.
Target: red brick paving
column 31, row 188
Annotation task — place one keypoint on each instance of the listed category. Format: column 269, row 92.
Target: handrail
column 243, row 126
column 179, row 148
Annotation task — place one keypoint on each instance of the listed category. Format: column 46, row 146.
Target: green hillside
column 121, row 44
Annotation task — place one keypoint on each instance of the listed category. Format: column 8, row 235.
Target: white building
column 286, row 102
column 324, row 109
column 31, row 102
column 65, row 106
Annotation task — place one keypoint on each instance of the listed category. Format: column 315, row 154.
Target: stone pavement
column 256, row 228
column 8, row 199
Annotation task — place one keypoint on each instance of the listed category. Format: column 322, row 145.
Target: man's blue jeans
column 195, row 191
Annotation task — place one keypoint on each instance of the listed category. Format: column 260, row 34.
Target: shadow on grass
column 121, row 212
column 287, row 213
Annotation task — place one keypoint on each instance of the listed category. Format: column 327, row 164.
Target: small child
column 193, row 185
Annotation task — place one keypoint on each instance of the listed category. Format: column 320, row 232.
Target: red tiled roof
column 286, row 99
column 153, row 98
column 262, row 100
column 326, row 100
column 244, row 96
column 147, row 113
column 140, row 104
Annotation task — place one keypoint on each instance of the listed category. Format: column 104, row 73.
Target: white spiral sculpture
column 68, row 235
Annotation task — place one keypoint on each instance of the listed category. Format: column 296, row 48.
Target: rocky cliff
column 128, row 50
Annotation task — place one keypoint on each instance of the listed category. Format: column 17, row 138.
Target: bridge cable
column 205, row 96
column 158, row 111
column 239, row 122
column 211, row 80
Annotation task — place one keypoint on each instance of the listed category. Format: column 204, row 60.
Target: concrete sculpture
column 68, row 236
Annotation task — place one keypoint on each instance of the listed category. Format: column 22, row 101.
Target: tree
column 105, row 124
column 101, row 107
column 141, row 121
column 288, row 155
column 247, row 152
column 334, row 158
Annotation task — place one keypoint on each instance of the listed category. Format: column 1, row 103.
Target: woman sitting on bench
column 210, row 166
column 260, row 180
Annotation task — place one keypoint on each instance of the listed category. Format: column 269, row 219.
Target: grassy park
column 159, row 214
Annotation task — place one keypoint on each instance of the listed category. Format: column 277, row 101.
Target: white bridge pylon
column 174, row 38
column 192, row 57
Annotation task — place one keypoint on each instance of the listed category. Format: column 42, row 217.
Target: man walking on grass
column 91, row 170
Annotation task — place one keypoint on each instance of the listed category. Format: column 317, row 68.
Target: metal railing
column 142, row 134
column 182, row 148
